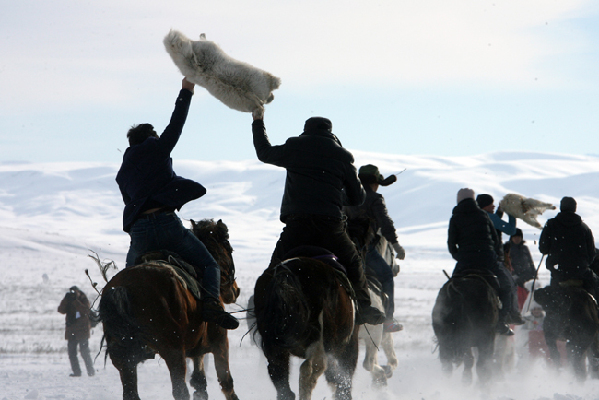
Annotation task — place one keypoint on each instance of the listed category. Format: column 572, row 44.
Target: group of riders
column 323, row 191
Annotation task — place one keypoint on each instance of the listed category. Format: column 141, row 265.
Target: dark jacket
column 321, row 177
column 471, row 231
column 146, row 178
column 77, row 310
column 522, row 262
column 568, row 243
column 375, row 210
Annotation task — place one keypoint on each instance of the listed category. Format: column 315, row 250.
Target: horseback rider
column 321, row 179
column 473, row 243
column 485, row 202
column 375, row 212
column 570, row 248
column 152, row 192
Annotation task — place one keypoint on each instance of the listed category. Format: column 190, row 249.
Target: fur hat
column 370, row 174
column 465, row 193
column 568, row 204
column 317, row 124
column 484, row 200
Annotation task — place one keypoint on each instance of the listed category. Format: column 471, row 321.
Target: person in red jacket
column 75, row 306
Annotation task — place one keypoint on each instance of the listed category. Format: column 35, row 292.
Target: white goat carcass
column 238, row 85
column 527, row 209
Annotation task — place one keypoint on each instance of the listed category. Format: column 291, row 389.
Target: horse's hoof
column 388, row 371
column 200, row 396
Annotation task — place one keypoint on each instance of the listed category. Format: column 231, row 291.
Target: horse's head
column 215, row 236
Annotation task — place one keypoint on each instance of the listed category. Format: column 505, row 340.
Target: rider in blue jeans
column 152, row 192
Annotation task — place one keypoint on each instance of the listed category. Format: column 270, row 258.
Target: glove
column 258, row 113
column 395, row 269
column 499, row 212
column 400, row 253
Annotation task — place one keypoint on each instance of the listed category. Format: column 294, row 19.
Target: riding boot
column 212, row 311
column 502, row 327
column 368, row 314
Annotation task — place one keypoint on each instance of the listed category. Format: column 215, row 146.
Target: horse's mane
column 207, row 228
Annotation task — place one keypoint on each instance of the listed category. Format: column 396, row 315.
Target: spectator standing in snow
column 523, row 268
column 75, row 306
column 321, row 179
column 152, row 192
column 374, row 211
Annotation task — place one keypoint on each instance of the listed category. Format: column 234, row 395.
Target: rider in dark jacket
column 152, row 192
column 374, row 211
column 473, row 243
column 321, row 179
column 570, row 247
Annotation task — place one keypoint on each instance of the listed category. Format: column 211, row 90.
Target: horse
column 148, row 309
column 303, row 308
column 374, row 338
column 464, row 316
column 571, row 314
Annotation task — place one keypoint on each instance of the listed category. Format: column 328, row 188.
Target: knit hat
column 568, row 204
column 317, row 124
column 484, row 200
column 370, row 174
column 518, row 233
column 465, row 193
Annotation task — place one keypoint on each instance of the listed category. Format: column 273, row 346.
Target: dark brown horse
column 148, row 309
column 465, row 316
column 303, row 309
column 571, row 315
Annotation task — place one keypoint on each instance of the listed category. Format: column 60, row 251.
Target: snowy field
column 53, row 215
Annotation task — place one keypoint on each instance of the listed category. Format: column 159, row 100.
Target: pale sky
column 426, row 77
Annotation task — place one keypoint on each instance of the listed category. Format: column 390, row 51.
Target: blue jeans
column 166, row 232
column 384, row 273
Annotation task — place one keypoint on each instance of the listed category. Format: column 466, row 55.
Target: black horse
column 571, row 315
column 303, row 308
column 464, row 316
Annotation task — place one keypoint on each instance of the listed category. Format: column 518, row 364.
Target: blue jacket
column 146, row 175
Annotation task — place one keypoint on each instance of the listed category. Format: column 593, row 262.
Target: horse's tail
column 449, row 321
column 123, row 335
column 284, row 319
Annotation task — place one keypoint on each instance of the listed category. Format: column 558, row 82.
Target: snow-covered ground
column 53, row 215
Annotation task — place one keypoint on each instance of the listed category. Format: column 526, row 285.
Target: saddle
column 185, row 271
column 325, row 256
column 484, row 275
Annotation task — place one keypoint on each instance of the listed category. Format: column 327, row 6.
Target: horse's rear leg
column 468, row 364
column 594, row 357
column 198, row 379
column 128, row 372
column 576, row 355
column 175, row 361
column 310, row 371
column 346, row 361
column 389, row 350
column 485, row 357
column 278, row 370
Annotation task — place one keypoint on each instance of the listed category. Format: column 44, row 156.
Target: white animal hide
column 240, row 86
column 525, row 208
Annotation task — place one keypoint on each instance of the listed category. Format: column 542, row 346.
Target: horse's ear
column 193, row 223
